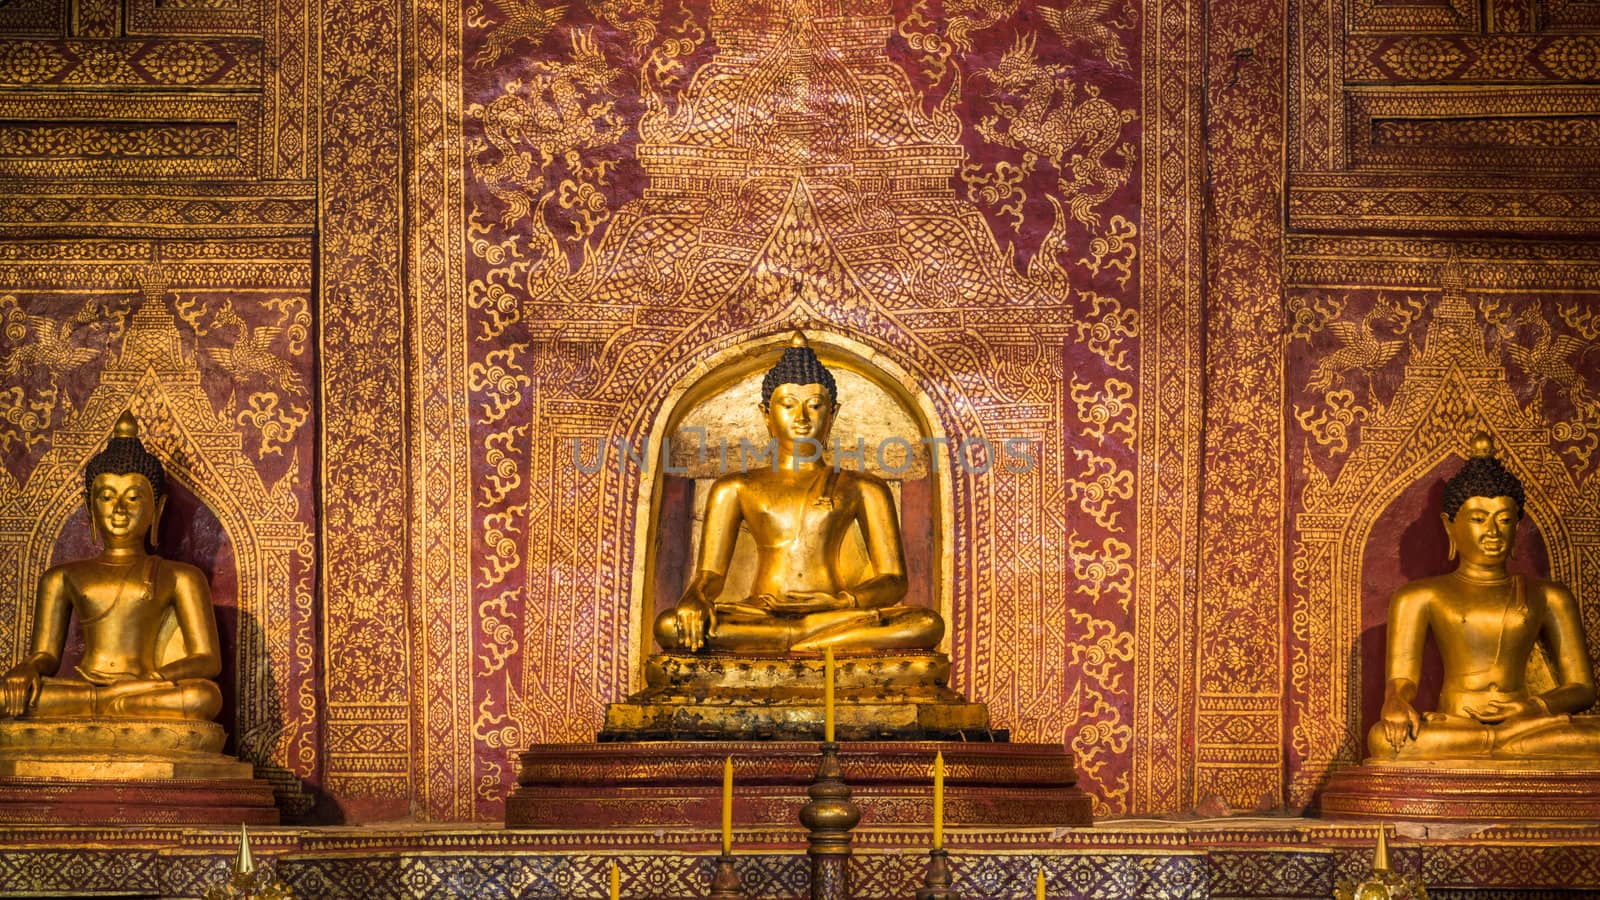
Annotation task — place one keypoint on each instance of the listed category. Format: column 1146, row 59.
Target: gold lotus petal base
column 1524, row 790
column 722, row 696
column 111, row 735
column 126, row 771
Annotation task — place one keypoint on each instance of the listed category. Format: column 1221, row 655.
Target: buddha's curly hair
column 1482, row 476
column 125, row 456
column 799, row 365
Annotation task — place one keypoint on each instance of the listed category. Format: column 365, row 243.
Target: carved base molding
column 1443, row 793
column 680, row 784
column 1256, row 860
column 882, row 696
column 153, row 801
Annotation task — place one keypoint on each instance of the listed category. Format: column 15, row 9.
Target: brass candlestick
column 829, row 816
column 936, row 883
column 725, row 882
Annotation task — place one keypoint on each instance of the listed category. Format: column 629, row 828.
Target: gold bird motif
column 1359, row 347
column 51, row 346
column 1550, row 357
column 251, row 353
column 1083, row 21
column 523, row 21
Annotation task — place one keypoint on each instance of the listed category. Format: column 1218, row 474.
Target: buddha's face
column 123, row 508
column 1484, row 529
column 799, row 411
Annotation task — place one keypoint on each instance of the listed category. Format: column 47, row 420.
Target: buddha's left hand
column 810, row 602
column 1496, row 711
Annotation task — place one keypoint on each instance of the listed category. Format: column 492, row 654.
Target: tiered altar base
column 126, row 772
column 679, row 783
column 1209, row 860
column 1445, row 792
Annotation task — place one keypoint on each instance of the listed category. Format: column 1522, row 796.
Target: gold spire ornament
column 1383, row 884
column 247, row 882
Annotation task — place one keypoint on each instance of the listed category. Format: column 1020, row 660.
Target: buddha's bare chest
column 1492, row 624
column 113, row 596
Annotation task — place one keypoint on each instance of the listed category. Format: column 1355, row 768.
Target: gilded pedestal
column 679, row 783
column 889, row 695
column 1464, row 790
column 126, row 771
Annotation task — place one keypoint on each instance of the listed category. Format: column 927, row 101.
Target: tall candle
column 727, row 806
column 827, row 695
column 616, row 883
column 1038, row 886
column 938, row 801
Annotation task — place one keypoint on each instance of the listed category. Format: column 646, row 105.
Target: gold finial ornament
column 1383, row 884
column 243, row 862
column 127, row 426
column 1482, row 445
column 245, row 881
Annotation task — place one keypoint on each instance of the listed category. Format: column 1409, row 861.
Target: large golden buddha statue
column 131, row 606
column 742, row 662
column 799, row 512
column 1487, row 624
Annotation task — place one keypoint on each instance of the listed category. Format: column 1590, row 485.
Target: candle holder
column 936, row 883
column 725, row 882
column 829, row 816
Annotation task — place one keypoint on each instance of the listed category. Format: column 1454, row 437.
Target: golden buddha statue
column 1487, row 625
column 131, row 606
column 799, row 512
column 741, row 663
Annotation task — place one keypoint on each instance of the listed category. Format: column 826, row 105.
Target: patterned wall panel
column 1239, row 669
column 1384, row 137
column 365, row 516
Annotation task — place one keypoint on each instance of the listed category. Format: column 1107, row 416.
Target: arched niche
column 1407, row 542
column 879, row 407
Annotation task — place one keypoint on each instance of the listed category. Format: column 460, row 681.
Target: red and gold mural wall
column 958, row 190
column 1244, row 275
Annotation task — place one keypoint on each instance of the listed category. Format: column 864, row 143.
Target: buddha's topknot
column 125, row 455
column 799, row 365
column 1482, row 476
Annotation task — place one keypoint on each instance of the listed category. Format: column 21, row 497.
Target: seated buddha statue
column 1487, row 624
column 821, row 549
column 132, row 607
column 799, row 512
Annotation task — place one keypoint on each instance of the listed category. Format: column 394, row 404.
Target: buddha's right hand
column 19, row 689
column 696, row 619
column 1400, row 720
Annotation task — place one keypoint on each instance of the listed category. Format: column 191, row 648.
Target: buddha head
column 125, row 488
column 799, row 396
column 1482, row 505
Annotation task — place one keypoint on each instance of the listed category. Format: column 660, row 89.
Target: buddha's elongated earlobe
column 153, row 536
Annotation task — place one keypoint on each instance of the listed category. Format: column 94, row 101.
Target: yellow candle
column 616, row 883
column 827, row 695
column 727, row 806
column 938, row 801
column 1038, row 886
